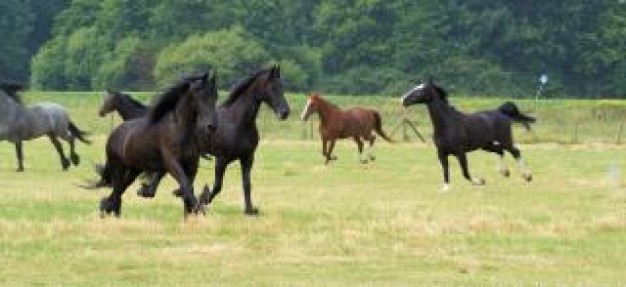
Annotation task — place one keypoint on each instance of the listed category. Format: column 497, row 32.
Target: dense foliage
column 355, row 46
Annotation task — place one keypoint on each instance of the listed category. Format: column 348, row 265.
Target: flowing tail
column 511, row 111
column 379, row 129
column 77, row 133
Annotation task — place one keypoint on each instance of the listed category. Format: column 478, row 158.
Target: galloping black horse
column 237, row 136
column 163, row 141
column 456, row 133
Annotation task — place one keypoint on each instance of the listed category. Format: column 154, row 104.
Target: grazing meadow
column 345, row 224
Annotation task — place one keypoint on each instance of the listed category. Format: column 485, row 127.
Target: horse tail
column 378, row 127
column 77, row 133
column 105, row 177
column 510, row 110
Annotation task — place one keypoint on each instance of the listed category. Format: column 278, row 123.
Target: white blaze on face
column 407, row 94
column 305, row 111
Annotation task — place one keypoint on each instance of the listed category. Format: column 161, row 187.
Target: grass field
column 340, row 225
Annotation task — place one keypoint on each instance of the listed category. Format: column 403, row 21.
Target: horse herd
column 184, row 123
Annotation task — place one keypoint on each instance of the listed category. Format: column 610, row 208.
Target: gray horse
column 20, row 123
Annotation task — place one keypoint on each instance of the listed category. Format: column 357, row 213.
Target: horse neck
column 187, row 117
column 127, row 109
column 246, row 108
column 326, row 110
column 438, row 110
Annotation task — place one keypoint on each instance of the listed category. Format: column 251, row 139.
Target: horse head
column 108, row 105
column 204, row 91
column 423, row 93
column 272, row 93
column 311, row 106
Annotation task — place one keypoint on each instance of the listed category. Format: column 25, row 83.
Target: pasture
column 345, row 224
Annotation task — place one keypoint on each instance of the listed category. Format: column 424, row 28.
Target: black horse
column 456, row 133
column 127, row 107
column 237, row 136
column 163, row 141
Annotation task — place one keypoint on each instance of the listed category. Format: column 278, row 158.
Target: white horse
column 20, row 123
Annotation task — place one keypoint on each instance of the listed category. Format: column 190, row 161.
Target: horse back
column 361, row 120
column 486, row 127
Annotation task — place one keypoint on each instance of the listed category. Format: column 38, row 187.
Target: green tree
column 16, row 24
column 231, row 53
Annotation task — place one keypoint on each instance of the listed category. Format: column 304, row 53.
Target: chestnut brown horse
column 356, row 123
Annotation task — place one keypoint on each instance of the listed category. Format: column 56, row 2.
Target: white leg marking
column 445, row 188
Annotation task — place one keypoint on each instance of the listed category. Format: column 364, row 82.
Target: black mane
column 130, row 99
column 442, row 93
column 168, row 100
column 11, row 90
column 242, row 86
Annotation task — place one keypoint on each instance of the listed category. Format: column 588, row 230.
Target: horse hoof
column 372, row 158
column 364, row 161
column 65, row 164
column 505, row 173
column 478, row 181
column 445, row 188
column 177, row 193
column 528, row 177
column 20, row 169
column 75, row 159
column 252, row 211
column 144, row 191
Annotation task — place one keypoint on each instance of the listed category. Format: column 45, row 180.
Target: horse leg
column 359, row 144
column 148, row 190
column 121, row 180
column 65, row 163
column 371, row 140
column 185, row 184
column 443, row 159
column 19, row 153
column 246, row 168
column 324, row 150
column 463, row 162
column 331, row 147
column 207, row 196
column 496, row 148
column 74, row 157
column 526, row 174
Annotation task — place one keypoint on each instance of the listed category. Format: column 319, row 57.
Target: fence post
column 575, row 134
column 619, row 133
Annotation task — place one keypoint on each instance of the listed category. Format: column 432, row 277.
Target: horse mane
column 242, row 86
column 325, row 101
column 131, row 100
column 11, row 90
column 442, row 93
column 168, row 100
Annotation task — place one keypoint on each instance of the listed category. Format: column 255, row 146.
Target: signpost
column 543, row 80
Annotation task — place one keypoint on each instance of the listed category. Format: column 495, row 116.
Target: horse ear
column 277, row 71
column 205, row 76
column 213, row 77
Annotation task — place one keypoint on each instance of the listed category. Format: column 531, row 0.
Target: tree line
column 481, row 47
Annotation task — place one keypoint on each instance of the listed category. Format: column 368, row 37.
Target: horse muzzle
column 283, row 114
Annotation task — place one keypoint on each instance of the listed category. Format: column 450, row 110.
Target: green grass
column 345, row 224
